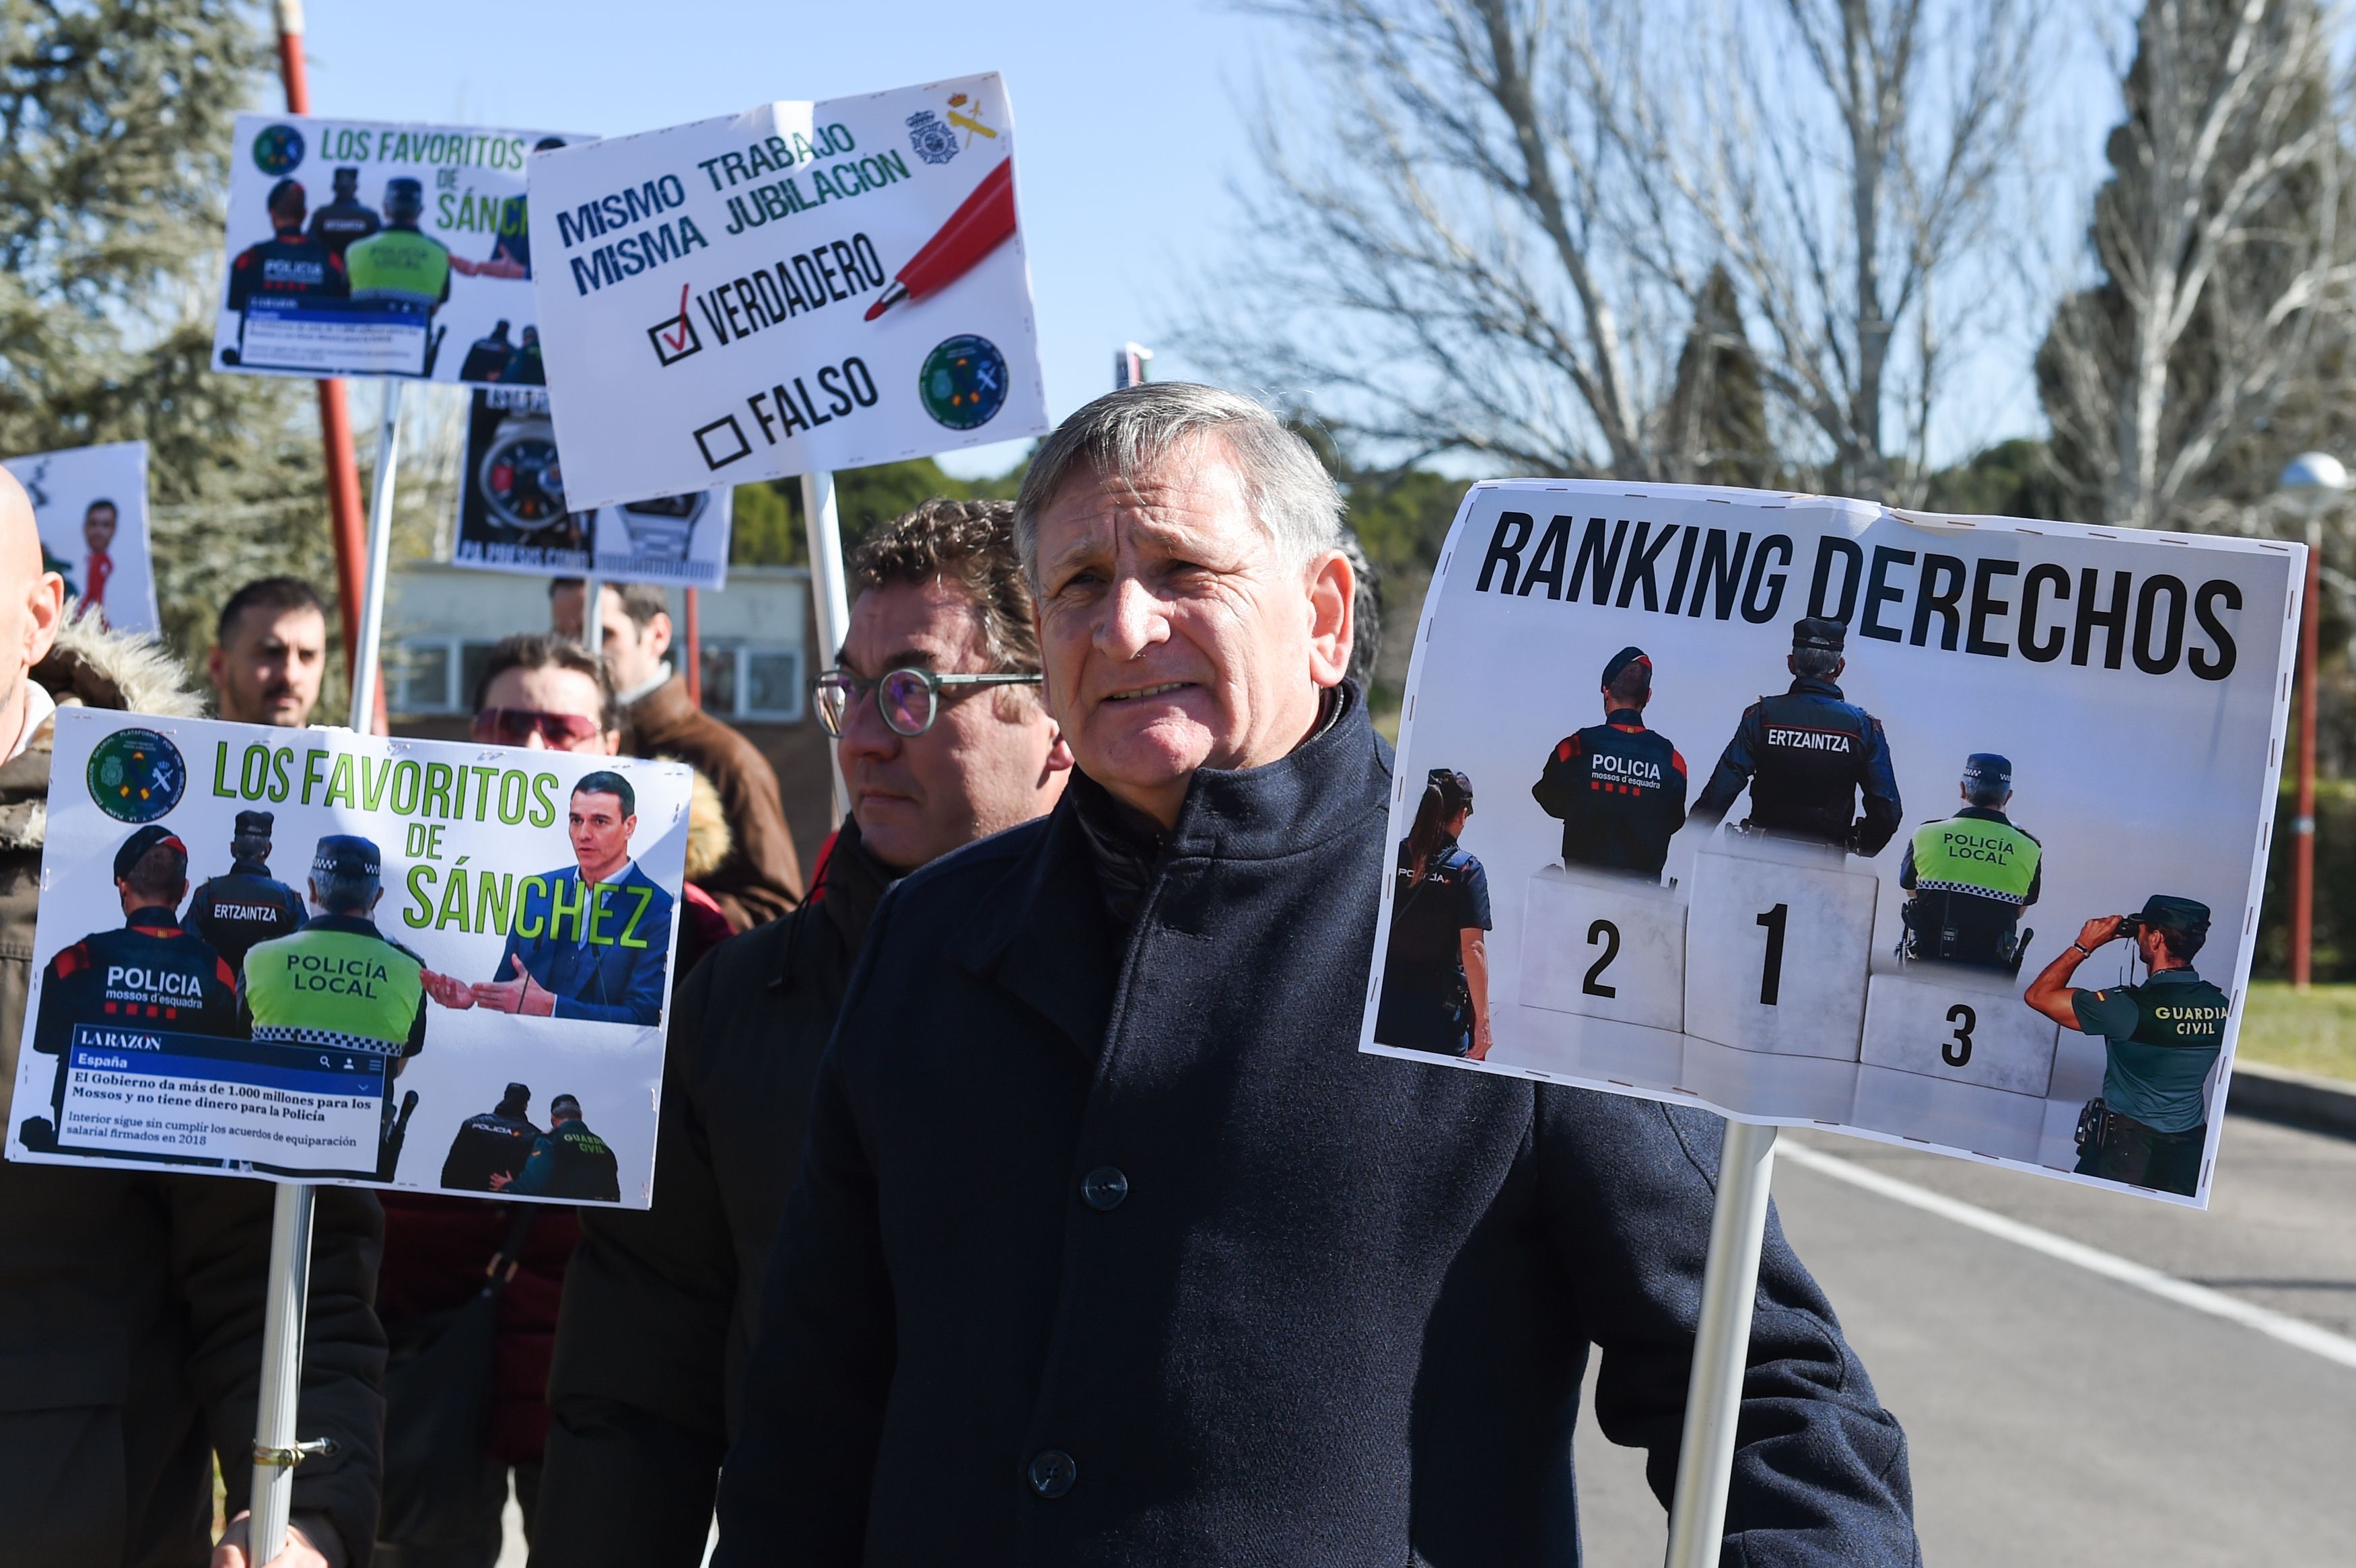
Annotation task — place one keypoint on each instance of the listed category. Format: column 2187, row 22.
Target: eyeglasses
column 909, row 700
column 516, row 726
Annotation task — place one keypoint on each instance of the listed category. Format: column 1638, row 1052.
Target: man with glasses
column 938, row 724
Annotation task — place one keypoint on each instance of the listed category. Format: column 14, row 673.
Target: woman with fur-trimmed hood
column 131, row 1304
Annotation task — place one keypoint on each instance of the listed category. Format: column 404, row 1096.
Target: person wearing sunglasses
column 934, row 710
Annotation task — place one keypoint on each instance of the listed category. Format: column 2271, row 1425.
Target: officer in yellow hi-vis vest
column 339, row 982
column 400, row 261
column 1971, row 876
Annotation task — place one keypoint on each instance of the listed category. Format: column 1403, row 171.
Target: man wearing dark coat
column 131, row 1301
column 1110, row 1247
column 660, row 1306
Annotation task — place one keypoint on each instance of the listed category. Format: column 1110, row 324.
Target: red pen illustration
column 983, row 222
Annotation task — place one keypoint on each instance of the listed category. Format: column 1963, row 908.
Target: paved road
column 2056, row 1415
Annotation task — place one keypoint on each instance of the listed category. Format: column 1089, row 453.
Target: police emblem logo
column 278, row 150
column 963, row 383
column 933, row 142
column 137, row 775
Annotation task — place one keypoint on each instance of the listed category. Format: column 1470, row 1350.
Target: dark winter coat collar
column 1043, row 933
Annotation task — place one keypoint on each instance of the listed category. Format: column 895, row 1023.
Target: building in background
column 757, row 663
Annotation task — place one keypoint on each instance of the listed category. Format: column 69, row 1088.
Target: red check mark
column 680, row 341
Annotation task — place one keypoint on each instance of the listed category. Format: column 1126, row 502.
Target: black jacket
column 1619, row 792
column 659, row 1306
column 131, row 1304
column 1122, row 1254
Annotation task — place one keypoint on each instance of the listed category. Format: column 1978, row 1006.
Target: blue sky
column 1127, row 114
column 1125, row 120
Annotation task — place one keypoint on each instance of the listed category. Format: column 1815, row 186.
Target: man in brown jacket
column 131, row 1303
column 761, row 878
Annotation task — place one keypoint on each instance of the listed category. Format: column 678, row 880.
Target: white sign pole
column 276, row 1450
column 364, row 663
column 593, row 607
column 829, row 593
column 1737, row 1226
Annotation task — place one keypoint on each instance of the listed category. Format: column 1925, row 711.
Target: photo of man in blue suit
column 590, row 941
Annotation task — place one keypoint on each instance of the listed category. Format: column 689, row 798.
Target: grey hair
column 1124, row 432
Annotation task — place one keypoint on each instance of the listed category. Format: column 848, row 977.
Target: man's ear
column 660, row 632
column 45, row 605
column 1332, row 617
column 1059, row 754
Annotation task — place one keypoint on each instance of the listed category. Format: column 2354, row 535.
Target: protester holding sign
column 659, row 1309
column 131, row 1300
column 1108, row 1244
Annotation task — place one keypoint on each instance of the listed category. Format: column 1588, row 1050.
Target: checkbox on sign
column 722, row 442
column 675, row 338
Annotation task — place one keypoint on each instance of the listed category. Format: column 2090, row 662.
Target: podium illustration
column 1604, row 947
column 1961, row 1027
column 1777, row 943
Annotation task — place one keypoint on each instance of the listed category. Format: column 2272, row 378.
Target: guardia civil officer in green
column 569, row 1160
column 2162, row 1038
column 400, row 261
column 1971, row 875
column 340, row 982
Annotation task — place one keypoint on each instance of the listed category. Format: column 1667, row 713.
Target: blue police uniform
column 1427, row 1003
column 1807, row 755
column 246, row 906
column 1619, row 790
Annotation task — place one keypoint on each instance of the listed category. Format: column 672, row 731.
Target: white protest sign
column 513, row 515
column 799, row 288
column 314, row 953
column 90, row 504
column 358, row 248
column 1828, row 892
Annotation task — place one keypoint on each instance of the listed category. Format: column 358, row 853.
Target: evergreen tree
column 115, row 120
column 1717, row 425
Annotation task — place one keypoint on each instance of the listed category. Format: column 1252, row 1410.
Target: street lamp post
column 2312, row 486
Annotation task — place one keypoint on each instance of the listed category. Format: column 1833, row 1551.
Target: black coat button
column 1053, row 1473
column 1104, row 1188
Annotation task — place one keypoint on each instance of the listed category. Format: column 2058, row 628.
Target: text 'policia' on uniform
column 1989, row 606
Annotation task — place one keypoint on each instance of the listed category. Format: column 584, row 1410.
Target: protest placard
column 1860, row 777
column 358, row 248
column 513, row 515
column 91, row 505
column 796, row 289
column 344, row 958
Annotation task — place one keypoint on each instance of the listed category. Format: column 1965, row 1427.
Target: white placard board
column 2138, row 682
column 513, row 515
column 803, row 287
column 363, row 247
column 90, row 504
column 431, row 968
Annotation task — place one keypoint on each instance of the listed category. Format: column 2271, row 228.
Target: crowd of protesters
column 1023, row 1196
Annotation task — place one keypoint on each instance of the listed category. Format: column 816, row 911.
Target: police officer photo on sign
column 567, row 1161
column 492, row 1146
column 149, row 971
column 1436, row 969
column 248, row 904
column 340, row 982
column 1809, row 755
column 1970, row 876
column 1618, row 788
column 2160, row 1041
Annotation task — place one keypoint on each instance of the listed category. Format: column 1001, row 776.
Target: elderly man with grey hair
column 1109, row 1246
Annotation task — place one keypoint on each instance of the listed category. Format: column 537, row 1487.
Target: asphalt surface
column 2055, row 1415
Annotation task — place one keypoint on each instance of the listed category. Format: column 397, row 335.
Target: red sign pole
column 335, row 412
